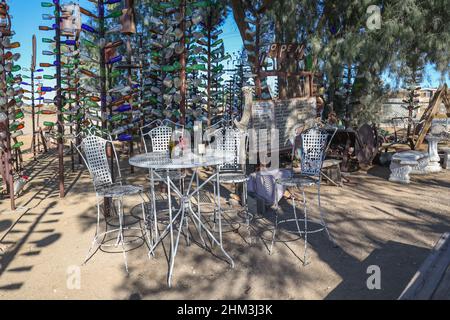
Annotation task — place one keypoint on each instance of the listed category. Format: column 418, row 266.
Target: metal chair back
column 145, row 134
column 232, row 141
column 93, row 151
column 314, row 143
column 160, row 138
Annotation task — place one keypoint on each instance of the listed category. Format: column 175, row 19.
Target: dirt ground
column 374, row 222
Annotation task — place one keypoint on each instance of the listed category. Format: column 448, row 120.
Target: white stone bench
column 408, row 162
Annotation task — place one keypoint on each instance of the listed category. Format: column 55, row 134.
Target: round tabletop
column 160, row 160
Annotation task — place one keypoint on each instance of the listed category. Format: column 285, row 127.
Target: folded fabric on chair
column 263, row 184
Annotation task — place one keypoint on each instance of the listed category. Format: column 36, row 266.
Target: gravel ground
column 374, row 222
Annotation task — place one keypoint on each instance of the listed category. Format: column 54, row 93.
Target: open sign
column 283, row 51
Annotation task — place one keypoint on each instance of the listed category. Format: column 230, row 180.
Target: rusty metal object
column 367, row 144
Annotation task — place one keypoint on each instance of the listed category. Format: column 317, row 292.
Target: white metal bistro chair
column 93, row 150
column 232, row 140
column 158, row 139
column 312, row 154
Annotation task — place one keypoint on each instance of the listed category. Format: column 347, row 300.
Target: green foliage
column 413, row 33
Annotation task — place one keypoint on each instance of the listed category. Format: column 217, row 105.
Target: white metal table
column 160, row 161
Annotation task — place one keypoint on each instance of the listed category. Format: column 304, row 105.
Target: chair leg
column 294, row 208
column 245, row 197
column 199, row 209
column 274, row 229
column 94, row 241
column 118, row 208
column 306, row 228
column 147, row 227
column 188, row 236
column 323, row 219
column 215, row 205
column 120, row 211
column 155, row 218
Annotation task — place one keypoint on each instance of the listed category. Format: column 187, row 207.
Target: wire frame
column 160, row 138
column 175, row 126
column 314, row 143
column 94, row 149
column 231, row 141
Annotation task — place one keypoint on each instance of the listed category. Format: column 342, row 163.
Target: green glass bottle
column 196, row 67
column 69, row 101
column 19, row 115
column 49, row 124
column 115, row 74
column 69, row 66
column 92, row 104
column 88, row 43
column 114, row 14
column 46, row 4
column 17, row 145
column 200, row 4
column 14, row 126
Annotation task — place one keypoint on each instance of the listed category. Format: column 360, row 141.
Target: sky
column 27, row 17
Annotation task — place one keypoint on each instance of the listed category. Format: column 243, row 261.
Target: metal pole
column 130, row 101
column 33, row 114
column 7, row 153
column 59, row 102
column 257, row 66
column 183, row 88
column 208, row 90
column 33, row 120
column 101, row 19
column 69, row 78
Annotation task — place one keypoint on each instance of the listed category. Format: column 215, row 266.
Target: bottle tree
column 11, row 113
column 257, row 33
column 152, row 94
column 70, row 77
column 214, row 52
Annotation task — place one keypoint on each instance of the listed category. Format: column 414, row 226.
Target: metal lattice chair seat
column 233, row 177
column 298, row 181
column 118, row 191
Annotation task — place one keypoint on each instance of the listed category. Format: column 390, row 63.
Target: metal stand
column 184, row 214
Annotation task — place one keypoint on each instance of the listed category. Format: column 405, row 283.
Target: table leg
column 219, row 216
column 155, row 218
column 172, row 258
column 209, row 233
column 199, row 228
